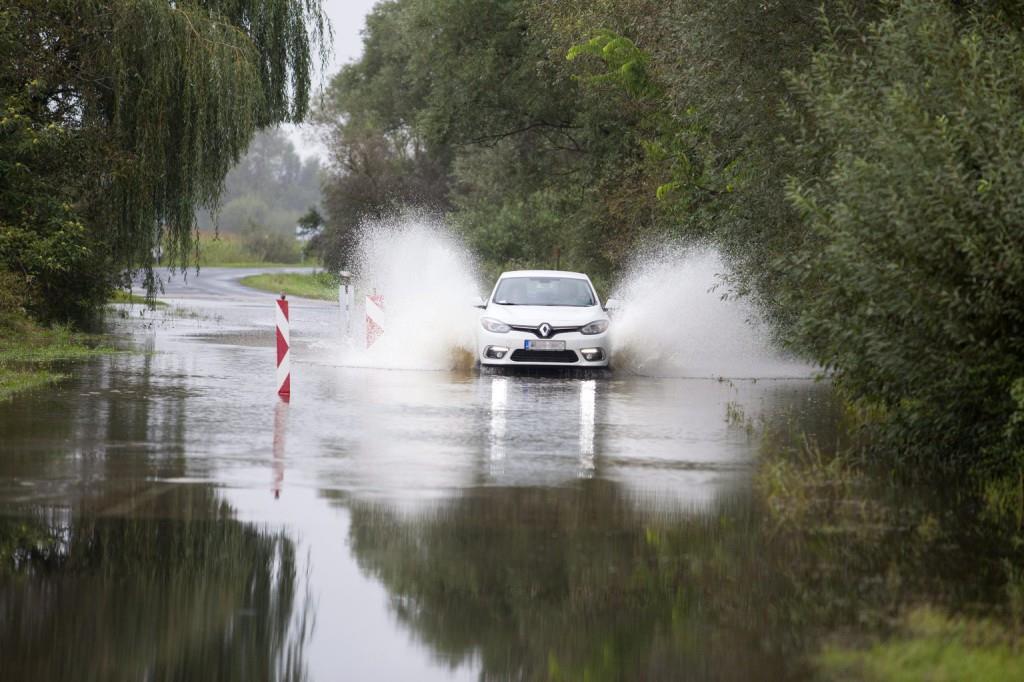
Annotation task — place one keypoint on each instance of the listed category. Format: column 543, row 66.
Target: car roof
column 543, row 273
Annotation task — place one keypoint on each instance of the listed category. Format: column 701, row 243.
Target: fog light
column 495, row 352
column 592, row 354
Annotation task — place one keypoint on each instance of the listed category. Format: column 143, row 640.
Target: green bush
column 13, row 297
column 54, row 269
column 222, row 249
column 60, row 273
column 912, row 288
column 256, row 246
column 269, row 247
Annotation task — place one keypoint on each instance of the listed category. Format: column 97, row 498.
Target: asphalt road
column 216, row 283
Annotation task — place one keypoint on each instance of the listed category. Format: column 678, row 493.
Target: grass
column 224, row 250
column 232, row 251
column 28, row 350
column 134, row 299
column 932, row 646
column 249, row 264
column 1004, row 499
column 15, row 381
column 319, row 285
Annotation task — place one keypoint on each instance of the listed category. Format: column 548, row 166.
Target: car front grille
column 555, row 331
column 522, row 355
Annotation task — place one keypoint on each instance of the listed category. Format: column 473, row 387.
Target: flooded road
column 166, row 516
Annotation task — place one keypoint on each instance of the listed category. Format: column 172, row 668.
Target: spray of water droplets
column 673, row 319
column 427, row 279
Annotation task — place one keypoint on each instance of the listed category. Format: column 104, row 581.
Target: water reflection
column 89, row 597
column 580, row 583
column 591, row 581
column 120, row 419
column 588, row 399
column 499, row 400
column 547, row 418
column 665, row 437
column 280, row 431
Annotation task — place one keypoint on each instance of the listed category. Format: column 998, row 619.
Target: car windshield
column 567, row 291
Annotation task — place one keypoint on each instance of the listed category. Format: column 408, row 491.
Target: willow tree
column 122, row 117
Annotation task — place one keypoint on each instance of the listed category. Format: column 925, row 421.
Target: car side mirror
column 612, row 304
column 477, row 302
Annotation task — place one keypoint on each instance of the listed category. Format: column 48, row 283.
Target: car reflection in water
column 549, row 426
column 584, row 406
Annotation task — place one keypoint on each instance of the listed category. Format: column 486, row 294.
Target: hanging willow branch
column 172, row 92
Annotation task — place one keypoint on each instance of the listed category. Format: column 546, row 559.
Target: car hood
column 556, row 316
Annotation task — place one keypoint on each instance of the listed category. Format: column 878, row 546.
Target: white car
column 543, row 317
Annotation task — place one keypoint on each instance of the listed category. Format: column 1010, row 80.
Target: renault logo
column 544, row 330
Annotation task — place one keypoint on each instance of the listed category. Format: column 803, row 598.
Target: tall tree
column 140, row 108
column 912, row 290
column 453, row 106
column 268, row 190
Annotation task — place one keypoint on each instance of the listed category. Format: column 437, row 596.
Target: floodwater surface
column 164, row 515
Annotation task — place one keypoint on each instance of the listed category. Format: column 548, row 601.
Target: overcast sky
column 347, row 20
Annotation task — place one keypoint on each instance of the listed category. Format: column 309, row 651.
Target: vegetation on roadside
column 930, row 645
column 319, row 285
column 28, row 352
column 118, row 119
column 124, row 297
column 18, row 380
column 251, row 248
column 856, row 162
column 909, row 283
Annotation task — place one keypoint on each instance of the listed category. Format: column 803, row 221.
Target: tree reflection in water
column 571, row 583
column 195, row 597
column 586, row 582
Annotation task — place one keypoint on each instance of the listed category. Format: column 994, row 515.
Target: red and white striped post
column 374, row 317
column 284, row 372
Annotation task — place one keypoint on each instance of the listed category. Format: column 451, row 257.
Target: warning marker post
column 374, row 317
column 284, row 372
column 346, row 295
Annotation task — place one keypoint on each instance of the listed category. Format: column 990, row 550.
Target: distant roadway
column 214, row 283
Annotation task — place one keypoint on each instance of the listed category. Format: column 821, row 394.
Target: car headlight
column 595, row 327
column 493, row 325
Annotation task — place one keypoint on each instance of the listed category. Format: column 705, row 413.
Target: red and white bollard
column 284, row 372
column 374, row 317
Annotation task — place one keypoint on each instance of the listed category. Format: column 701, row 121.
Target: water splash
column 427, row 279
column 675, row 321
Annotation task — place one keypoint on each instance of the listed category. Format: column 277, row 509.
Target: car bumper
column 518, row 356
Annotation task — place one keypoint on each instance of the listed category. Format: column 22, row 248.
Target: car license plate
column 530, row 344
